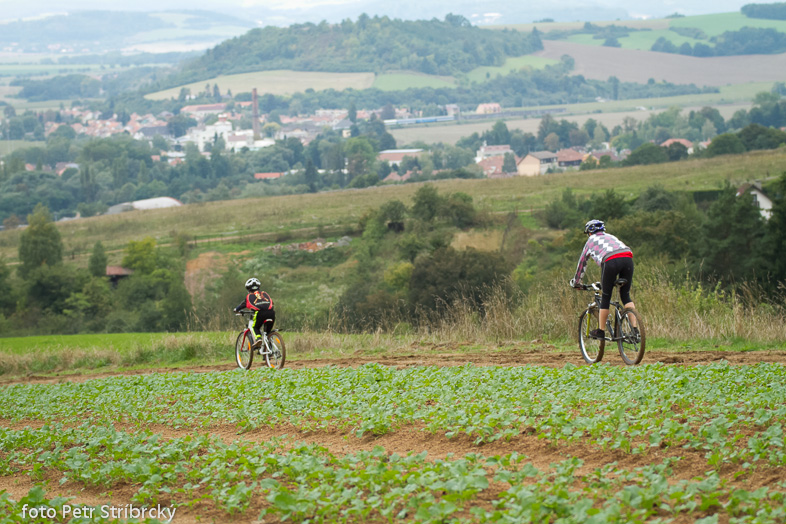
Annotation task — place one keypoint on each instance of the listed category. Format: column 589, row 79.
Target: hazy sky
column 311, row 10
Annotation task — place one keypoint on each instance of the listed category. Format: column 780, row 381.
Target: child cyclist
column 262, row 305
column 615, row 260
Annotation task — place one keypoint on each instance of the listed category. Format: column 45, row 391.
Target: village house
column 600, row 153
column 267, row 176
column 206, row 134
column 537, row 163
column 201, row 111
column 487, row 151
column 570, row 158
column 488, row 109
column 493, row 167
column 760, row 199
column 395, row 156
column 395, row 177
column 687, row 143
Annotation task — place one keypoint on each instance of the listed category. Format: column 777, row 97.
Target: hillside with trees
column 438, row 47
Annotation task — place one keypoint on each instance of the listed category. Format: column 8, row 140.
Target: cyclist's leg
column 267, row 319
column 608, row 275
column 257, row 325
column 626, row 272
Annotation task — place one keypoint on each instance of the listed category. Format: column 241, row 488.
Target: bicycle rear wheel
column 631, row 344
column 244, row 356
column 591, row 348
column 278, row 353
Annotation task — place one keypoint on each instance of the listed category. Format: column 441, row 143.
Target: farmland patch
column 631, row 65
column 280, row 82
column 654, row 443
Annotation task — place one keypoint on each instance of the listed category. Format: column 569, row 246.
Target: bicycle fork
column 592, row 308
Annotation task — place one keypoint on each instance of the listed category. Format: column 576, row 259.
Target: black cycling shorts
column 610, row 270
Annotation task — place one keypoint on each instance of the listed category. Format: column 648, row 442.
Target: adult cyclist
column 615, row 260
column 262, row 305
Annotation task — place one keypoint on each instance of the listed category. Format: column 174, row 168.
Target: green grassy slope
column 275, row 219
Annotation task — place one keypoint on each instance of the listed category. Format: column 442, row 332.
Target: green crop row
column 288, row 480
column 732, row 414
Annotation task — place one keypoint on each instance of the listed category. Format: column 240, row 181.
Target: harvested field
column 639, row 66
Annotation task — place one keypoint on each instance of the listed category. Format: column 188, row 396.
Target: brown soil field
column 629, row 65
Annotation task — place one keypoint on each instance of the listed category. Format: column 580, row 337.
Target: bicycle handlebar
column 595, row 286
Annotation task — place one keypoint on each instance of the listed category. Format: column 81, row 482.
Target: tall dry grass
column 679, row 312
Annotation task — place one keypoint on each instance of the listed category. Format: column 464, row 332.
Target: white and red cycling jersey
column 601, row 247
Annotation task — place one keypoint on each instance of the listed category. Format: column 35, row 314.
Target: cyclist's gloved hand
column 236, row 310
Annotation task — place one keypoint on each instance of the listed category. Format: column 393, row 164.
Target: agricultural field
column 422, row 435
column 403, row 80
column 274, row 82
column 9, row 146
column 632, row 65
column 711, row 25
column 481, row 74
column 609, row 114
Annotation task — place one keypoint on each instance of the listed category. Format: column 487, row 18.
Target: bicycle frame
column 265, row 340
column 613, row 331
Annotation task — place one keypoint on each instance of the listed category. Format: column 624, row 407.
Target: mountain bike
column 272, row 347
column 630, row 341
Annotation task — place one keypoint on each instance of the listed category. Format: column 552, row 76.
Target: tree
column 609, row 205
column 776, row 232
column 677, row 151
column 731, row 241
column 40, row 244
column 141, row 255
column 656, row 198
column 388, row 112
column 551, row 142
column 178, row 125
column 725, row 144
column 449, row 275
column 6, row 291
column 647, row 153
column 509, row 163
column 176, row 306
column 311, row 176
column 360, row 156
column 352, row 113
column 98, row 259
column 426, row 203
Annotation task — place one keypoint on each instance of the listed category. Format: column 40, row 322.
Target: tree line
column 48, row 295
column 726, row 240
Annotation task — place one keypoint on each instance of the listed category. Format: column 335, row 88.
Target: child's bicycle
column 272, row 347
column 630, row 341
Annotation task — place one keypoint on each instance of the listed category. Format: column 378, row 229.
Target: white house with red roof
column 687, row 143
column 395, row 156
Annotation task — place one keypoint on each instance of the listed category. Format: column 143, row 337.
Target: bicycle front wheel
column 277, row 355
column 631, row 340
column 591, row 348
column 243, row 353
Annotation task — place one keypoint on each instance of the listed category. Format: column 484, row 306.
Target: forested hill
column 441, row 47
